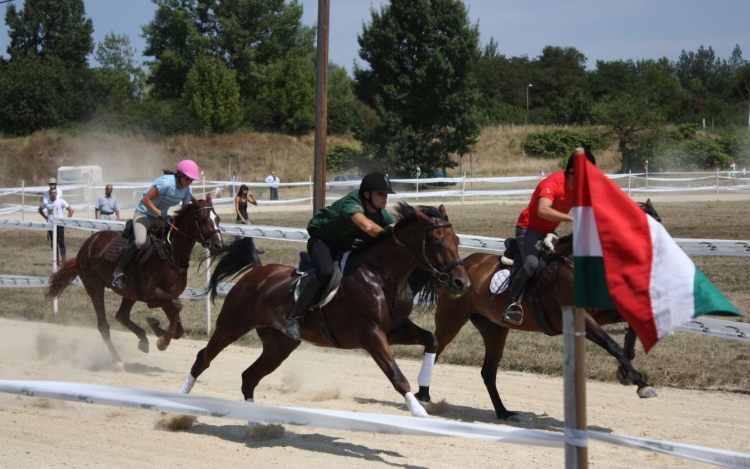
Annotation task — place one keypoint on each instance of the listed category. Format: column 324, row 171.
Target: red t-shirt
column 555, row 189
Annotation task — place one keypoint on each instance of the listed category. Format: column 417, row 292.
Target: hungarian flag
column 626, row 260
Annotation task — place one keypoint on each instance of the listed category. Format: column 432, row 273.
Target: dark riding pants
column 529, row 243
column 60, row 241
column 322, row 256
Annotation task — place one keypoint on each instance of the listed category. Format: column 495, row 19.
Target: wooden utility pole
column 321, row 107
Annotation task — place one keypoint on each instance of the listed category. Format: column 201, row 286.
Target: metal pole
column 471, row 169
column 574, row 388
column 208, row 297
column 88, row 201
column 630, row 174
column 717, row 183
column 312, row 198
column 321, row 106
column 23, row 197
column 463, row 188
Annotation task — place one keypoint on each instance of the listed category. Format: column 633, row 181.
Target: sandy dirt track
column 43, row 433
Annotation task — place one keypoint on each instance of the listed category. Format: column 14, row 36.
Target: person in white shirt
column 274, row 182
column 54, row 207
column 52, row 185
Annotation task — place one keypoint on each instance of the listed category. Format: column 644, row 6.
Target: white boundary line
column 162, row 401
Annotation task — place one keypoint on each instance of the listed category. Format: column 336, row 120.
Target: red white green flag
column 626, row 260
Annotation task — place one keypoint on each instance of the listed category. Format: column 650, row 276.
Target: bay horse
column 160, row 282
column 370, row 311
column 484, row 309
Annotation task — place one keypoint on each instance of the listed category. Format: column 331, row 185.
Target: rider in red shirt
column 550, row 204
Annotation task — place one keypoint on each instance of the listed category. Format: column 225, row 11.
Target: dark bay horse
column 370, row 311
column 484, row 309
column 160, row 282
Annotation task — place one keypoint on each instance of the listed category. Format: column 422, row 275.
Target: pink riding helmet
column 189, row 168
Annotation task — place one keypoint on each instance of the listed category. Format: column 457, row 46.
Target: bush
column 341, row 156
column 560, row 143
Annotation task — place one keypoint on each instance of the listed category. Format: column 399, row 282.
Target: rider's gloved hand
column 167, row 219
column 359, row 244
column 387, row 231
column 550, row 241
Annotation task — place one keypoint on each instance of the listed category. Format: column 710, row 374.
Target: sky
column 600, row 29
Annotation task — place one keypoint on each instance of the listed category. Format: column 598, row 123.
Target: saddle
column 329, row 291
column 544, row 279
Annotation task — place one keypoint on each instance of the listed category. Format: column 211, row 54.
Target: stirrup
column 513, row 314
column 119, row 281
column 292, row 329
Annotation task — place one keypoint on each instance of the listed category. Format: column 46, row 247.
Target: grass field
column 682, row 360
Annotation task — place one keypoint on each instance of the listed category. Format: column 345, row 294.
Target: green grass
column 681, row 360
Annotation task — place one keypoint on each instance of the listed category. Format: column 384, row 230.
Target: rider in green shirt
column 356, row 217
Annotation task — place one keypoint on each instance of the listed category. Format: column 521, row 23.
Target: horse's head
column 206, row 224
column 649, row 209
column 437, row 250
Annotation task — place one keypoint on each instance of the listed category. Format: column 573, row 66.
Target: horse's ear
column 442, row 210
column 208, row 198
column 193, row 200
column 649, row 204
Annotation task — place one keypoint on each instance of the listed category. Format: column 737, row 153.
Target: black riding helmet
column 571, row 160
column 375, row 182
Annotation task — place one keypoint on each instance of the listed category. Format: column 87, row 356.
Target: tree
column 627, row 116
column 47, row 81
column 212, row 93
column 50, row 28
column 341, row 108
column 120, row 80
column 420, row 82
column 559, row 73
column 286, row 99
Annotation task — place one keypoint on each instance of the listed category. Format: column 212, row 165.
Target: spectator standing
column 273, row 180
column 107, row 207
column 218, row 192
column 240, row 204
column 52, row 185
column 541, row 173
column 54, row 207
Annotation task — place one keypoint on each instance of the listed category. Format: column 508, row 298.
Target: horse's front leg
column 172, row 309
column 596, row 334
column 411, row 334
column 376, row 343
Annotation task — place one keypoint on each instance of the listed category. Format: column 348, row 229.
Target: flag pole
column 574, row 388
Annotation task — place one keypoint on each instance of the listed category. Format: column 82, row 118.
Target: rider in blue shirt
column 153, row 210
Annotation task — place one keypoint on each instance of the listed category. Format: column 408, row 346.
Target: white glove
column 550, row 241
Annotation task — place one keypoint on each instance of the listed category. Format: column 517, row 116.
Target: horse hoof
column 423, row 398
column 161, row 345
column 509, row 416
column 143, row 346
column 180, row 331
column 646, row 392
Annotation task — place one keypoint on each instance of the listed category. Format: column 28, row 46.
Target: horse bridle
column 442, row 274
column 203, row 241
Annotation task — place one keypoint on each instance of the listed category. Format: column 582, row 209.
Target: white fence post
column 463, row 188
column 23, row 197
column 309, row 179
column 630, row 174
column 54, row 255
column 717, row 183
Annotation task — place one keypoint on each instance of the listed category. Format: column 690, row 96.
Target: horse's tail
column 236, row 258
column 60, row 280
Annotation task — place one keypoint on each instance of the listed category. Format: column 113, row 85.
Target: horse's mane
column 405, row 213
column 182, row 211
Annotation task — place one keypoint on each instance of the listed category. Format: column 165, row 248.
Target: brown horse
column 484, row 309
column 370, row 311
column 159, row 282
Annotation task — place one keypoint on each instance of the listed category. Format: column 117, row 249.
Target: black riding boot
column 118, row 276
column 513, row 313
column 308, row 292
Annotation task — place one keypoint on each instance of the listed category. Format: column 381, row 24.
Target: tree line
column 423, row 90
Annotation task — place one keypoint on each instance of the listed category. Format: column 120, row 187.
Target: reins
column 203, row 241
column 442, row 274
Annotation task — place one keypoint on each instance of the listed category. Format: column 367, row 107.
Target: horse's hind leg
column 596, row 334
column 96, row 293
column 123, row 316
column 233, row 322
column 276, row 348
column 629, row 348
column 494, row 338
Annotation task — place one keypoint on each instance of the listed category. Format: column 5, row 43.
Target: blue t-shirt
column 169, row 195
